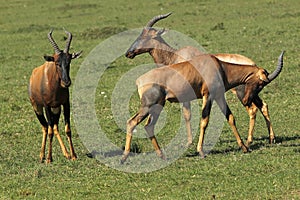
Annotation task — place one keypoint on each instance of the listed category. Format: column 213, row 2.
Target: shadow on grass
column 259, row 143
column 135, row 148
column 94, row 154
column 214, row 152
column 283, row 141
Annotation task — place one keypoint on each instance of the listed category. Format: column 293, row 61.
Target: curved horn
column 157, row 18
column 274, row 74
column 66, row 50
column 53, row 43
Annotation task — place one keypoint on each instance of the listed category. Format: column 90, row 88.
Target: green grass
column 257, row 29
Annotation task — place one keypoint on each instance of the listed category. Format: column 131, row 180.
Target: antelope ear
column 49, row 58
column 264, row 76
column 76, row 55
column 162, row 32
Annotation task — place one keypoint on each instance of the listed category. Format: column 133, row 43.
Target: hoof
column 74, row 157
column 42, row 160
column 49, row 160
column 122, row 161
column 248, row 143
column 188, row 144
column 272, row 141
column 201, row 155
column 67, row 156
column 245, row 149
column 162, row 156
column 124, row 157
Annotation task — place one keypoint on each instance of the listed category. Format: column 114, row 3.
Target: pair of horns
column 55, row 46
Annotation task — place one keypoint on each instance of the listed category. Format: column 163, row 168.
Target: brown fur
column 43, row 81
column 48, row 91
column 204, row 77
column 150, row 41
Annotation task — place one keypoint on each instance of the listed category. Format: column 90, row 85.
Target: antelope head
column 62, row 59
column 259, row 80
column 148, row 39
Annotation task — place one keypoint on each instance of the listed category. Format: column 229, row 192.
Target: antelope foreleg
column 50, row 134
column 44, row 140
column 56, row 113
column 39, row 113
column 149, row 127
column 131, row 124
column 62, row 146
column 69, row 136
column 229, row 116
column 206, row 108
column 266, row 115
column 68, row 129
column 252, row 110
column 186, row 108
column 231, row 121
column 263, row 107
column 203, row 125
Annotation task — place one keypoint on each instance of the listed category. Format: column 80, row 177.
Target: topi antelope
column 48, row 89
column 203, row 77
column 150, row 41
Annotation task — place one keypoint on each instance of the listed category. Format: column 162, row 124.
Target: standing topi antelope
column 150, row 41
column 203, row 77
column 49, row 89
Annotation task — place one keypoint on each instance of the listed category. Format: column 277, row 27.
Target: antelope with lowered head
column 204, row 77
column 48, row 90
column 150, row 41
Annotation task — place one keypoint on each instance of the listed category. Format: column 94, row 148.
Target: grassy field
column 257, row 29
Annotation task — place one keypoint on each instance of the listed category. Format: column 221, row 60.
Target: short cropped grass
column 257, row 29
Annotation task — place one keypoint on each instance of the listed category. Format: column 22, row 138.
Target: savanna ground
column 257, row 29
